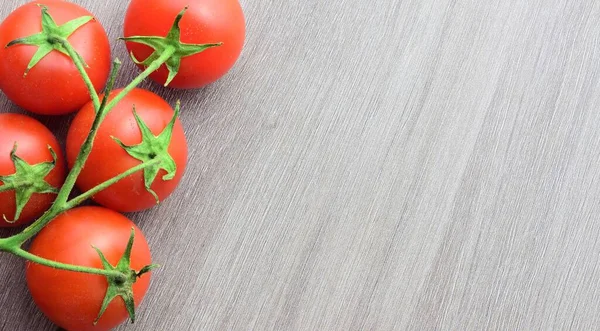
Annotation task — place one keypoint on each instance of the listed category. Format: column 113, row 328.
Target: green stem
column 18, row 239
column 81, row 68
column 86, row 147
column 149, row 70
column 63, row 266
column 61, row 204
column 102, row 186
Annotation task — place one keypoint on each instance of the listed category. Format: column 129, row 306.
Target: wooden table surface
column 379, row 165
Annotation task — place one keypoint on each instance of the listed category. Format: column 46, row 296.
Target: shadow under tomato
column 7, row 232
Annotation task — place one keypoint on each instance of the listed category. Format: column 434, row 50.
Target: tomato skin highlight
column 72, row 300
column 207, row 21
column 53, row 86
column 32, row 139
column 107, row 159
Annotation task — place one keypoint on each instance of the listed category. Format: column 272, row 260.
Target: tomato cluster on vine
column 88, row 268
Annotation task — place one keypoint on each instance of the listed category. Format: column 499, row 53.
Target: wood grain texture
column 380, row 165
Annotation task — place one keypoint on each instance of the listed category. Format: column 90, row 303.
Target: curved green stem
column 86, row 147
column 81, row 68
column 33, row 229
column 149, row 70
column 62, row 203
column 17, row 240
column 84, row 153
column 64, row 266
column 120, row 277
column 102, row 186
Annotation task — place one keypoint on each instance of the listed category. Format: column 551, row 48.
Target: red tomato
column 53, row 86
column 205, row 22
column 72, row 300
column 108, row 159
column 32, row 139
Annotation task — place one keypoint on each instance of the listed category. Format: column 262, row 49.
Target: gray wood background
column 380, row 165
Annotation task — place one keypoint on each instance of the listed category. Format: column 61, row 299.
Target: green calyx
column 122, row 285
column 51, row 38
column 27, row 180
column 171, row 43
column 154, row 148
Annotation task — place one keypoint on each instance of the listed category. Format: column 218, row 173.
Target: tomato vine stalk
column 169, row 51
column 61, row 203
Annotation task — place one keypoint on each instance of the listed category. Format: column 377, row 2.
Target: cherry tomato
column 205, row 22
column 72, row 300
column 108, row 159
column 32, row 139
column 53, row 86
